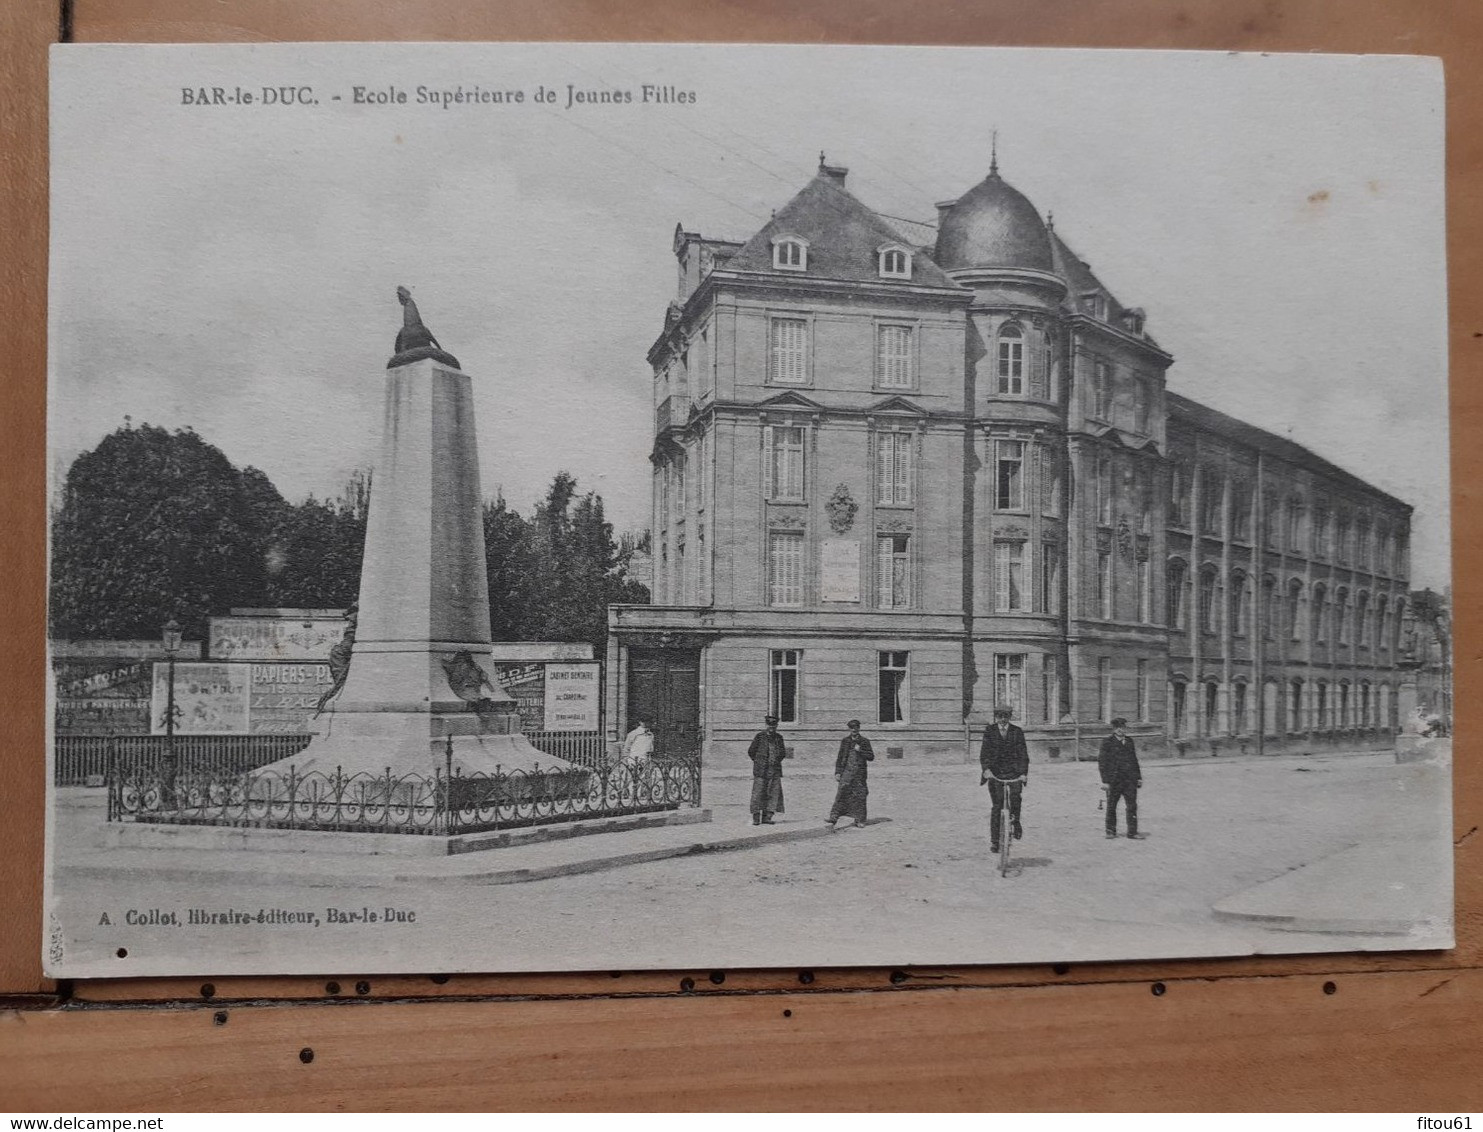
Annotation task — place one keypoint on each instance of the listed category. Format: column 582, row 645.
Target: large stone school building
column 905, row 473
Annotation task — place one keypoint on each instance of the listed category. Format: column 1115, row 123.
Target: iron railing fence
column 444, row 802
column 83, row 757
column 80, row 758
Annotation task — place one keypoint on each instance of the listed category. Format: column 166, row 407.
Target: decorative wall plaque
column 841, row 509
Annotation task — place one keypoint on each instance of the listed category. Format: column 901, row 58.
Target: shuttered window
column 785, row 568
column 1009, row 576
column 782, row 465
column 790, row 351
column 893, row 357
column 1039, row 369
column 893, row 468
column 893, row 572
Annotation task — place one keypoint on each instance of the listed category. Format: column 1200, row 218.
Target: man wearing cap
column 767, row 753
column 850, row 772
column 1006, row 766
column 1117, row 762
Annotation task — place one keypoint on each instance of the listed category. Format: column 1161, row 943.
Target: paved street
column 919, row 889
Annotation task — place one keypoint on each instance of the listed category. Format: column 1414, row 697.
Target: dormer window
column 1094, row 303
column 894, row 262
column 789, row 253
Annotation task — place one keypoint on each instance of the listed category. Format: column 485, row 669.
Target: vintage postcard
column 561, row 507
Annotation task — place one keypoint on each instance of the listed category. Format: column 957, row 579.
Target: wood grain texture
column 1230, row 1043
column 1401, row 1031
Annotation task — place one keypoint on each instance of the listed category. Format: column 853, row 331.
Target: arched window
column 1240, row 703
column 1209, row 618
column 1295, row 705
column 1397, row 619
column 1271, row 615
column 1240, row 604
column 1341, row 615
column 1362, row 620
column 1321, row 706
column 1210, row 713
column 790, row 253
column 1320, row 612
column 1174, row 578
column 1382, row 623
column 1365, row 720
column 1011, row 360
column 1177, row 706
column 1295, row 609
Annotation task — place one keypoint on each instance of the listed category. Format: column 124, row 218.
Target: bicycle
column 1006, row 820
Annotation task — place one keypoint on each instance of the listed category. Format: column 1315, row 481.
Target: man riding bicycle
column 1006, row 766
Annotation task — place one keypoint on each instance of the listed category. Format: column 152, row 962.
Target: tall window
column 1240, row 600
column 1050, row 686
column 1174, row 594
column 1177, row 703
column 1210, row 503
column 1271, row 516
column 893, row 572
column 783, row 700
column 1104, row 585
column 1241, row 510
column 1341, row 616
column 1295, row 528
column 1009, row 682
column 893, row 357
column 1104, row 688
column 1382, row 619
column 1344, row 719
column 1141, row 691
column 1009, row 576
column 1212, row 706
column 1321, row 546
column 1270, row 614
column 680, row 500
column 790, row 351
column 785, row 568
column 1320, row 613
column 1209, row 619
column 1104, row 490
column 783, row 472
column 1341, row 529
column 1295, row 609
column 1295, row 705
column 1050, row 578
column 1050, row 479
column 1179, row 496
column 703, row 472
column 1144, row 480
column 1321, row 706
column 893, row 694
column 1140, row 406
column 1101, row 391
column 1011, row 360
column 1362, row 546
column 1145, row 591
column 1238, row 709
column 893, row 468
column 1362, row 620
column 1009, row 482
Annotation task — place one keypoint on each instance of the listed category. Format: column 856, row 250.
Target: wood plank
column 1273, row 1044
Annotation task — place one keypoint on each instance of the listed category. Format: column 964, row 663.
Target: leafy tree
column 156, row 524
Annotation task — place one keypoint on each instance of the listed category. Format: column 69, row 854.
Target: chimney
column 942, row 208
column 836, row 173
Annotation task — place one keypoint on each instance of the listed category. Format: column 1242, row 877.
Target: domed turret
column 992, row 225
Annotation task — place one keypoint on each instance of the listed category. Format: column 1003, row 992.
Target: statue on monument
column 415, row 341
column 339, row 660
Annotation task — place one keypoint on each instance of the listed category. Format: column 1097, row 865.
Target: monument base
column 415, row 743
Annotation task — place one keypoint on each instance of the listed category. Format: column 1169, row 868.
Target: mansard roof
column 1081, row 280
column 1184, row 412
column 843, row 236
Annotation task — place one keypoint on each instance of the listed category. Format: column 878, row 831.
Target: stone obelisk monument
column 420, row 666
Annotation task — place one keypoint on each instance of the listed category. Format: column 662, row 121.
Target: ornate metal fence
column 80, row 757
column 441, row 803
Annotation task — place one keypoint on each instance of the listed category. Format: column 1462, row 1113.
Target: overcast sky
column 233, row 268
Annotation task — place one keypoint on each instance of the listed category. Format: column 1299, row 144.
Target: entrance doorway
column 664, row 691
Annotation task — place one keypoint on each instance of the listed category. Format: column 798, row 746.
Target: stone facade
column 904, row 475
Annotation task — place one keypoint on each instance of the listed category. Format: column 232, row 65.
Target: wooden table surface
column 1388, row 1032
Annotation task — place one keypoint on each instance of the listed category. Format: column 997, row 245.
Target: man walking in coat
column 1117, row 762
column 1006, row 766
column 850, row 772
column 767, row 753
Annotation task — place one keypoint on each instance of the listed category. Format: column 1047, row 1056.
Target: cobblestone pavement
column 919, row 889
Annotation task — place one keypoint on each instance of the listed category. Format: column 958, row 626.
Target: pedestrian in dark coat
column 1117, row 762
column 850, row 772
column 767, row 753
column 1006, row 766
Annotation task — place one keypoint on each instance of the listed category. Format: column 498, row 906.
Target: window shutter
column 1038, row 388
column 1001, row 576
column 903, row 467
column 767, row 459
column 883, row 572
column 884, row 449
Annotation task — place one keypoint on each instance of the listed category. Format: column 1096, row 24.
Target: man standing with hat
column 1006, row 766
column 767, row 753
column 1117, row 762
column 851, row 772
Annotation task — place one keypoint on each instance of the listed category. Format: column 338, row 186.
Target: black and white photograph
column 552, row 507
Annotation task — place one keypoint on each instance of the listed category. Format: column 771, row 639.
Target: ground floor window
column 1238, row 709
column 1321, row 706
column 1212, row 706
column 1050, row 674
column 783, row 702
column 1009, row 682
column 1176, row 697
column 1295, row 705
column 893, row 671
column 1344, row 719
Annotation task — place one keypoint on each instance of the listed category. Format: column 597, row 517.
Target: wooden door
column 664, row 691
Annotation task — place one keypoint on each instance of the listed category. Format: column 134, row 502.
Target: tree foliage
column 154, row 524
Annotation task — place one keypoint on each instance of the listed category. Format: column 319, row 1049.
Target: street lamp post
column 170, row 635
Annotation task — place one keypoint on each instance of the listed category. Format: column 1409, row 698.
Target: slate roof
column 843, row 236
